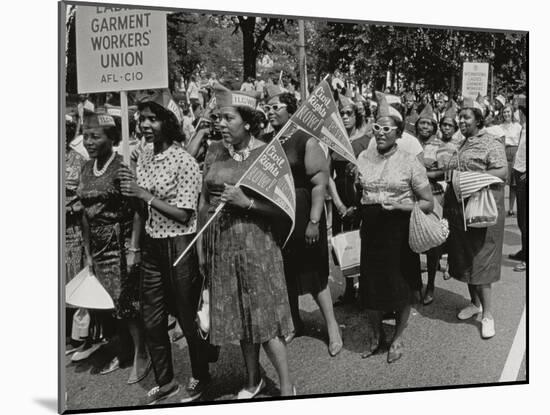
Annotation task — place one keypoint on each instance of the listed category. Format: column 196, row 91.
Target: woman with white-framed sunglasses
column 391, row 181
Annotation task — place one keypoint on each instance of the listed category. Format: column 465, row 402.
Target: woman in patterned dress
column 106, row 231
column 391, row 180
column 475, row 254
column 241, row 253
column 426, row 133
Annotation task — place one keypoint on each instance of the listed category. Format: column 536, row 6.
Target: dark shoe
column 511, row 213
column 395, row 352
column 345, row 299
column 518, row 256
column 195, row 389
column 110, row 367
column 520, row 267
column 140, row 376
column 159, row 393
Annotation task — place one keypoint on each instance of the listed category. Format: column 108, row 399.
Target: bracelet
column 250, row 205
column 315, row 222
column 136, row 250
column 150, row 201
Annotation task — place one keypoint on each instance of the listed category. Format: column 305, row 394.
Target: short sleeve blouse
column 480, row 153
column 396, row 176
column 172, row 176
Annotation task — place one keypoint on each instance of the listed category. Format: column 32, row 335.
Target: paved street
column 439, row 350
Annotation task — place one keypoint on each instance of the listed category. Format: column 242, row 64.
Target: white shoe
column 244, row 394
column 84, row 354
column 487, row 328
column 469, row 312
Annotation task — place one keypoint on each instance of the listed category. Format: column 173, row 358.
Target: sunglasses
column 347, row 113
column 385, row 129
column 275, row 107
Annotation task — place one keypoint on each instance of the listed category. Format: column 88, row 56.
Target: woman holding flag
column 475, row 254
column 306, row 253
column 240, row 251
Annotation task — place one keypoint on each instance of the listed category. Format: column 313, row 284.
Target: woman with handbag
column 240, row 251
column 391, row 180
column 341, row 187
column 166, row 191
column 426, row 133
column 106, row 232
column 475, row 254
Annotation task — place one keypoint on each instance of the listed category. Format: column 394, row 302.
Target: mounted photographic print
column 278, row 207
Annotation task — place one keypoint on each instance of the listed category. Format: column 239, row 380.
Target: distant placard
column 120, row 49
column 475, row 77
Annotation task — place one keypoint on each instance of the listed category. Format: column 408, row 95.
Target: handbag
column 426, row 231
column 481, row 210
column 81, row 324
column 346, row 247
column 203, row 312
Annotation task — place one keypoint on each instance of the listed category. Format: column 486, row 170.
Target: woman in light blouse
column 391, row 180
column 475, row 254
column 512, row 132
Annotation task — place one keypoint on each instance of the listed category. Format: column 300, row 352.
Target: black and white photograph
column 284, row 209
column 269, row 206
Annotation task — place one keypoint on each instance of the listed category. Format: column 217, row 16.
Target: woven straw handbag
column 426, row 231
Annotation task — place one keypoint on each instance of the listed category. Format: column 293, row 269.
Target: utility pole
column 302, row 58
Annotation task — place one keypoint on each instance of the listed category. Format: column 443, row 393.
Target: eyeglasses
column 385, row 129
column 346, row 113
column 275, row 107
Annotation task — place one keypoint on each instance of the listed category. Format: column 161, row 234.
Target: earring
column 247, row 127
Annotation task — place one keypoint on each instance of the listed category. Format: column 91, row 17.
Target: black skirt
column 389, row 270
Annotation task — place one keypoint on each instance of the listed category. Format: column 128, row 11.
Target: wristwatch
column 315, row 222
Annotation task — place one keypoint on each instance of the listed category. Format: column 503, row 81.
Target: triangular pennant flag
column 466, row 183
column 271, row 177
column 319, row 117
column 85, row 291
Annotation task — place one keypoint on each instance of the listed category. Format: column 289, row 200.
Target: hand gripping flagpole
column 222, row 204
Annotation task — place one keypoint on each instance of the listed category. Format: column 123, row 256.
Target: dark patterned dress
column 110, row 219
column 73, row 231
column 475, row 255
column 248, row 297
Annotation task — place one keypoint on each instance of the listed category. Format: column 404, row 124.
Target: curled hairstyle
column 170, row 127
column 290, row 101
column 253, row 118
column 478, row 115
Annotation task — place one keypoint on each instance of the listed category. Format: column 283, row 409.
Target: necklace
column 97, row 172
column 240, row 155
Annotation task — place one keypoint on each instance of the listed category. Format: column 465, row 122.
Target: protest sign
column 271, row 177
column 120, row 49
column 475, row 76
column 319, row 117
